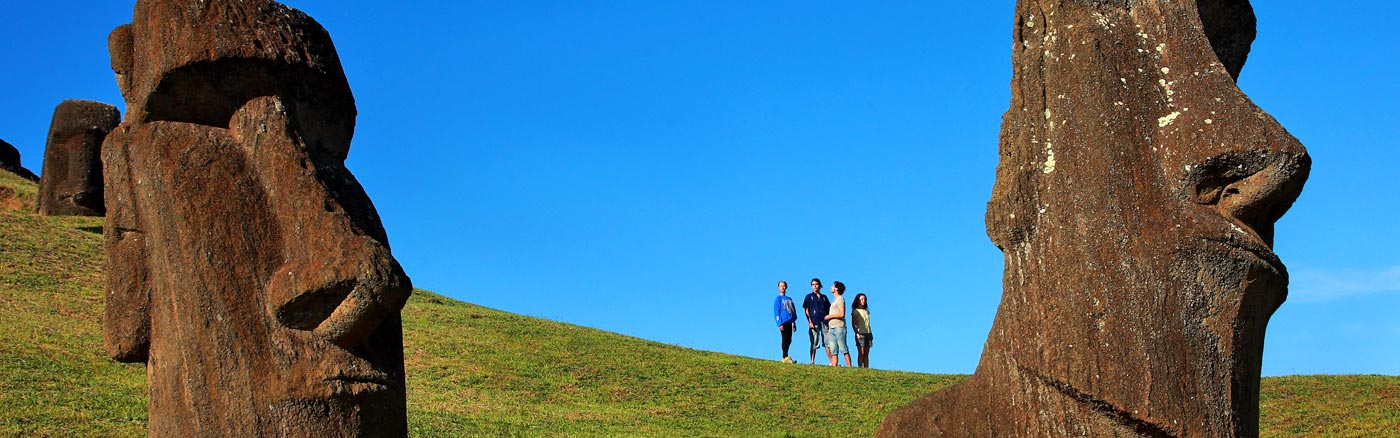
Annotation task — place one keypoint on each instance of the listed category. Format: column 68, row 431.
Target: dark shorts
column 815, row 335
column 865, row 339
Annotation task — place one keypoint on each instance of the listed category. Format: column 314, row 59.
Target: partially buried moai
column 246, row 266
column 1135, row 203
column 10, row 162
column 72, row 183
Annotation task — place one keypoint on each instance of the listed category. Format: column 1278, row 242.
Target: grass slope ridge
column 474, row 371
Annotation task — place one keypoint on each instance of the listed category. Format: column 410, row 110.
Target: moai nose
column 1253, row 189
column 1260, row 199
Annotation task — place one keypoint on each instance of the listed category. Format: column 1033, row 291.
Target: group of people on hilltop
column 826, row 323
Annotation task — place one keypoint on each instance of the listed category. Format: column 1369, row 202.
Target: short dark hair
column 782, row 282
column 818, row 281
column 840, row 287
column 856, row 304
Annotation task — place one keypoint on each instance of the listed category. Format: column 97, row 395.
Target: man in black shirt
column 816, row 307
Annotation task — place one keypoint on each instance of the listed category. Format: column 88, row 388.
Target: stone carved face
column 1134, row 204
column 247, row 267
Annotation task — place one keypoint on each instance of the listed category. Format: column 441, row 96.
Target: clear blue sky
column 653, row 168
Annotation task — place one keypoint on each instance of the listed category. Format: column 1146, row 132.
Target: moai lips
column 246, row 266
column 1134, row 204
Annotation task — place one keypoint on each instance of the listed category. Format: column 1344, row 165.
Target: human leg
column 863, row 349
column 869, row 343
column 840, row 334
column 787, row 337
column 831, row 350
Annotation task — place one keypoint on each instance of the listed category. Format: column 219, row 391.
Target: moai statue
column 1135, row 203
column 9, row 161
column 246, row 266
column 72, row 183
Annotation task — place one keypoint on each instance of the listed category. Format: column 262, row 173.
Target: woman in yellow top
column 860, row 320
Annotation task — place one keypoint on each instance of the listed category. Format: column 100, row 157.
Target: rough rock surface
column 1134, row 203
column 246, row 266
column 72, row 183
column 9, row 161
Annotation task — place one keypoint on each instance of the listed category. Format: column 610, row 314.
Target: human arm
column 807, row 310
column 838, row 312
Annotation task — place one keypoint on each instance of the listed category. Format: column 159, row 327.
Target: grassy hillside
column 474, row 371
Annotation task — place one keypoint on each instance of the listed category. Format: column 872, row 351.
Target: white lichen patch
column 1237, row 229
column 1209, row 121
column 1049, row 158
column 1167, row 119
column 1167, row 89
column 1166, row 70
column 1102, row 20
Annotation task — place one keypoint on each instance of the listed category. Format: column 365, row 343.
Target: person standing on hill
column 785, row 314
column 816, row 306
column 836, row 323
column 860, row 322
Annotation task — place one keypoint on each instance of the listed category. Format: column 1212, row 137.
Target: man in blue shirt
column 816, row 306
column 785, row 314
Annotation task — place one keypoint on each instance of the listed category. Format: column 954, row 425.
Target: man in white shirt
column 836, row 325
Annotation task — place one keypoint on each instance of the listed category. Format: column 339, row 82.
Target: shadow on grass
column 93, row 230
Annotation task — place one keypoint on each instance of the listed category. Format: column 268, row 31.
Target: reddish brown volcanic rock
column 9, row 161
column 72, row 183
column 1135, row 201
column 246, row 266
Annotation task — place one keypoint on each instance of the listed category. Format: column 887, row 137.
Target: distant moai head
column 72, row 183
column 246, row 265
column 10, row 161
column 1135, row 204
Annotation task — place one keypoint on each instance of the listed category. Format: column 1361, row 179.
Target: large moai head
column 1135, row 203
column 72, row 183
column 246, row 266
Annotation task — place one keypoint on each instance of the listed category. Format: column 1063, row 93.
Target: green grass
column 474, row 371
column 1330, row 406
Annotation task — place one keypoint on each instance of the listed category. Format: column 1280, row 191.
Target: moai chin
column 72, row 183
column 246, row 266
column 1135, row 203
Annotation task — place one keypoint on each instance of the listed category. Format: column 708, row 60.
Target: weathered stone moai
column 246, row 266
column 9, row 161
column 72, row 183
column 1135, row 203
